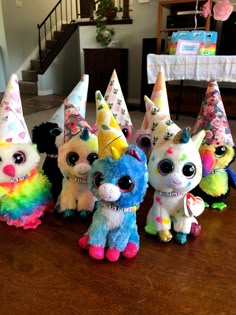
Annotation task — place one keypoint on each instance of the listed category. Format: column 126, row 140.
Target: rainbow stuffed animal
column 25, row 193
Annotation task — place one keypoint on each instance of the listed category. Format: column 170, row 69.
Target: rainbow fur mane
column 27, row 197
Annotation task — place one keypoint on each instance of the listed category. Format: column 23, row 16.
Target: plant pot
column 110, row 14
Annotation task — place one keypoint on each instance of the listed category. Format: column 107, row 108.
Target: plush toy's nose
column 208, row 162
column 9, row 170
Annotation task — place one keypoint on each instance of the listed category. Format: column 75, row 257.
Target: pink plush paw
column 130, row 250
column 112, row 254
column 83, row 242
column 96, row 252
column 195, row 229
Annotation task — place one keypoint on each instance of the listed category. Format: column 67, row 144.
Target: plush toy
column 118, row 179
column 116, row 102
column 48, row 136
column 44, row 136
column 174, row 170
column 160, row 99
column 217, row 150
column 75, row 158
column 24, row 191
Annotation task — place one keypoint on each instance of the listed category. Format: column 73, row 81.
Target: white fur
column 109, row 192
column 113, row 218
column 6, row 154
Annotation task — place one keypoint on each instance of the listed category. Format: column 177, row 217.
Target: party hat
column 212, row 118
column 116, row 102
column 159, row 97
column 111, row 140
column 162, row 128
column 74, row 122
column 77, row 97
column 12, row 123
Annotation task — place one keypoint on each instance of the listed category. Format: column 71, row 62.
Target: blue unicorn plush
column 118, row 179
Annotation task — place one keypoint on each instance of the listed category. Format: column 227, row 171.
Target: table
column 197, row 68
column 44, row 272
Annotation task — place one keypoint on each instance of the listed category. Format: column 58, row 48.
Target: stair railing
column 65, row 11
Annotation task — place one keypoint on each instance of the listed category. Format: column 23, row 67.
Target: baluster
column 125, row 9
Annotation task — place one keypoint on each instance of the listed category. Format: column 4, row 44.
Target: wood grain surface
column 43, row 271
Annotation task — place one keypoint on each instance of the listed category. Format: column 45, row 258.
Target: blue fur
column 99, row 232
column 100, row 235
column 114, row 169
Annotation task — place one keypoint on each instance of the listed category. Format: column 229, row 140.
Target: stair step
column 35, row 64
column 58, row 34
column 65, row 26
column 27, row 87
column 30, row 75
column 50, row 43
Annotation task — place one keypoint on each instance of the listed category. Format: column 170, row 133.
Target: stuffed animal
column 115, row 100
column 75, row 158
column 174, row 170
column 217, row 150
column 24, row 191
column 160, row 99
column 118, row 179
column 49, row 136
column 44, row 136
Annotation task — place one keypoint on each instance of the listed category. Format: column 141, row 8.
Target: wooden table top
column 43, row 271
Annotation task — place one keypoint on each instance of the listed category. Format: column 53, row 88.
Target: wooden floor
column 45, row 272
column 32, row 103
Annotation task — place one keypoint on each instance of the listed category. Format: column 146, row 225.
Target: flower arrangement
column 106, row 12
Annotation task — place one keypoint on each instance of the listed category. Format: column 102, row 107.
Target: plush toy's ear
column 198, row 138
column 135, row 154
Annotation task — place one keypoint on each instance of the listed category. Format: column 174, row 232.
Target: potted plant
column 106, row 12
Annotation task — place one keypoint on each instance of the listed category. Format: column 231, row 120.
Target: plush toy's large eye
column 189, row 170
column 220, row 151
column 165, row 167
column 146, row 142
column 72, row 158
column 19, row 157
column 125, row 184
column 92, row 157
column 98, row 178
column 125, row 132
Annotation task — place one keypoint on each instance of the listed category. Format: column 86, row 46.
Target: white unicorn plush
column 174, row 168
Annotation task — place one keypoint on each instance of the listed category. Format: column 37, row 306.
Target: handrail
column 40, row 25
column 65, row 11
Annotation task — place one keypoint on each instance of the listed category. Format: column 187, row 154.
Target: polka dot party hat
column 159, row 97
column 77, row 97
column 111, row 140
column 12, row 123
column 116, row 102
column 74, row 122
column 162, row 128
column 212, row 118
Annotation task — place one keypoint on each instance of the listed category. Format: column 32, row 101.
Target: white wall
column 130, row 36
column 20, row 26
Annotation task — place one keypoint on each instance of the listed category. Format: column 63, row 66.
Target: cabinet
column 173, row 8
column 99, row 64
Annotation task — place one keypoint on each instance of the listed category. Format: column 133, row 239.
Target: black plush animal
column 44, row 136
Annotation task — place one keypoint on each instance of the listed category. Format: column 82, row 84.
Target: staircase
column 53, row 33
